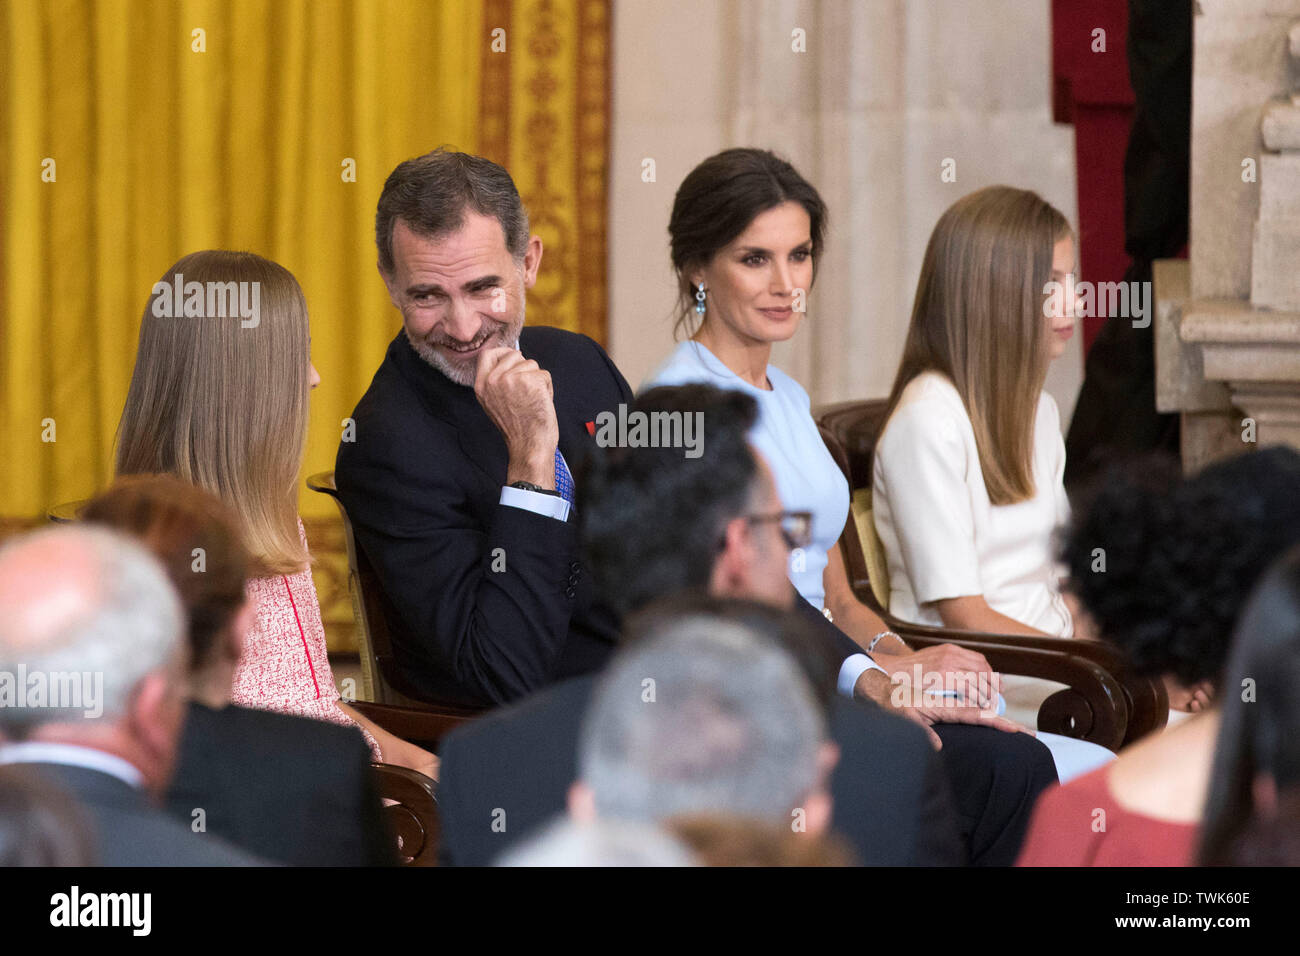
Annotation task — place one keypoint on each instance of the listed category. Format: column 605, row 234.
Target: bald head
column 85, row 614
column 48, row 582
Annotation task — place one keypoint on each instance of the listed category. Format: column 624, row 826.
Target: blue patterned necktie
column 563, row 478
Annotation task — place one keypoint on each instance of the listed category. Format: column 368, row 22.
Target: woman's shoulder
column 270, row 589
column 685, row 365
column 929, row 406
column 1049, row 413
column 934, row 389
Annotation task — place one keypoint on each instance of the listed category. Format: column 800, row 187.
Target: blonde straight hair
column 978, row 318
column 222, row 403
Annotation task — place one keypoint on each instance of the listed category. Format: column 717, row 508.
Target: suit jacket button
column 570, row 592
column 573, row 568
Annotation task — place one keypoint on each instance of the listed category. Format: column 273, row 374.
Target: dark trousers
column 996, row 778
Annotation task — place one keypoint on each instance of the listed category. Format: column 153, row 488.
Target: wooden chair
column 1104, row 703
column 411, row 810
column 393, row 703
column 410, row 802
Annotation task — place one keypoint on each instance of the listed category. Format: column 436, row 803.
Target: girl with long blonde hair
column 219, row 398
column 968, row 472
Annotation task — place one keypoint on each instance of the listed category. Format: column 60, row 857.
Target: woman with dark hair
column 1162, row 568
column 747, row 231
column 1252, row 813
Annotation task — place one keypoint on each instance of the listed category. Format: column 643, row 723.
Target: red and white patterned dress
column 284, row 666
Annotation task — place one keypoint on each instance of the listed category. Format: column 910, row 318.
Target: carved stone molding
column 1228, row 354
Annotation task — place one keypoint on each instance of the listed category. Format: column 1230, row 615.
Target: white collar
column 71, row 755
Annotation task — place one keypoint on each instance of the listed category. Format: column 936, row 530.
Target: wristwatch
column 529, row 486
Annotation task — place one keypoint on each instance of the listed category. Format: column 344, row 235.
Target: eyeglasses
column 795, row 526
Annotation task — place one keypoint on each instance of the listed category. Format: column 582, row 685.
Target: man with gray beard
column 457, row 468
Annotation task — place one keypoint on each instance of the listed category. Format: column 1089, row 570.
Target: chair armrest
column 1094, row 708
column 411, row 811
column 1144, row 704
column 421, row 725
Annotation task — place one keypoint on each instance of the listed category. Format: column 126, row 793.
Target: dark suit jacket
column 422, row 484
column 289, row 789
column 891, row 796
column 128, row 831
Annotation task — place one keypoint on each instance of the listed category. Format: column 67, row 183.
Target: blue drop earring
column 699, row 299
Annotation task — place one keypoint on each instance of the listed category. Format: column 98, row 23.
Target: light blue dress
column 807, row 478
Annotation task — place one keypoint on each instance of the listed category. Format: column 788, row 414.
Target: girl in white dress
column 967, row 486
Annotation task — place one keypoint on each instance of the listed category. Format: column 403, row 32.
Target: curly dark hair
column 1164, row 565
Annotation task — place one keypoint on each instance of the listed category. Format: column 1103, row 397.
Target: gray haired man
column 92, row 660
column 704, row 716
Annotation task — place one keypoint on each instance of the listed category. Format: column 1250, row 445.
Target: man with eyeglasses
column 795, row 527
column 655, row 524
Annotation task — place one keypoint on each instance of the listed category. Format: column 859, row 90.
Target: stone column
column 1228, row 333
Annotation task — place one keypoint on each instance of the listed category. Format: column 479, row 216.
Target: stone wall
column 1228, row 335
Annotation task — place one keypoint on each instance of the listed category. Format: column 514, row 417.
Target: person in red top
column 1179, row 559
column 1086, row 823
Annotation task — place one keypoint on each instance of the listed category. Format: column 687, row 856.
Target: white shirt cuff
column 550, row 506
column 853, row 667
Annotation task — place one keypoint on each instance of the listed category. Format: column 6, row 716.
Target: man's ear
column 828, row 757
column 582, row 802
column 156, row 715
column 532, row 259
column 731, row 569
column 240, row 625
column 819, row 806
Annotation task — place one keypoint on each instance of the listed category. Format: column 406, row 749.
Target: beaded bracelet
column 876, row 640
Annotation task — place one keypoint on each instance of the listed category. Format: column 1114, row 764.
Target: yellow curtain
column 135, row 131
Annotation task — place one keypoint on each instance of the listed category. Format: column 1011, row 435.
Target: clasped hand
column 517, row 395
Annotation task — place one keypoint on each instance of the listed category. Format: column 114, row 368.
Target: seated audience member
column 658, row 524
column 1252, row 813
column 91, row 617
column 727, row 724
column 221, row 402
column 1180, row 559
column 967, row 483
column 290, row 789
column 458, row 475
column 40, row 825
